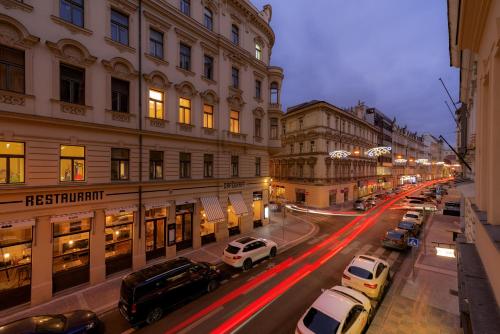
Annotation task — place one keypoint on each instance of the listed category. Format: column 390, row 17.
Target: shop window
column 207, row 229
column 184, row 165
column 184, row 111
column 234, row 121
column 15, row 267
column 274, row 128
column 72, row 163
column 208, row 67
column 156, row 105
column 12, row 157
column 120, row 164
column 233, row 221
column 119, row 242
column 11, row 69
column 257, row 208
column 72, row 84
column 234, row 165
column 208, row 165
column 70, row 263
column 155, row 165
column 257, row 166
column 156, row 43
column 119, row 27
column 208, row 116
column 185, row 57
column 120, row 95
column 72, row 11
column 208, row 19
column 185, row 7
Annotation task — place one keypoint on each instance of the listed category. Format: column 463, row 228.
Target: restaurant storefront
column 119, row 227
column 156, row 219
column 184, row 211
column 211, row 214
column 235, row 210
column 258, row 208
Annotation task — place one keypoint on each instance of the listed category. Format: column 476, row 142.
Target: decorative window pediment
column 236, row 101
column 13, row 33
column 209, row 96
column 71, row 51
column 157, row 79
column 157, row 22
column 213, row 5
column 120, row 67
column 186, row 37
column 186, row 88
column 259, row 112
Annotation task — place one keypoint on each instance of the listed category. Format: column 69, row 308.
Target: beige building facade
column 129, row 131
column 303, row 171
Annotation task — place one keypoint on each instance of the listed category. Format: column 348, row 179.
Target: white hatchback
column 414, row 216
column 244, row 252
column 336, row 310
column 367, row 274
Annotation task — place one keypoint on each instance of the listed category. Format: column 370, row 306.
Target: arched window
column 274, row 92
column 208, row 19
column 235, row 34
column 258, row 51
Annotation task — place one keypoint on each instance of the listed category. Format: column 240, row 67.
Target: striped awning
column 72, row 217
column 238, row 204
column 116, row 211
column 157, row 205
column 213, row 210
column 19, row 223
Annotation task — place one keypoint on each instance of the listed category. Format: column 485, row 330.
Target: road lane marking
column 128, row 331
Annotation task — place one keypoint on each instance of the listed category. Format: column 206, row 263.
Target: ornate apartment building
column 129, row 130
column 304, row 171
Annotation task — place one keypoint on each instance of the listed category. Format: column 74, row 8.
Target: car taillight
column 345, row 276
column 133, row 308
column 236, row 257
column 371, row 286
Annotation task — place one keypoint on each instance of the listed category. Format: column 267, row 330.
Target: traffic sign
column 413, row 242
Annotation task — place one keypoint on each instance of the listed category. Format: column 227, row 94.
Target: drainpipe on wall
column 140, row 117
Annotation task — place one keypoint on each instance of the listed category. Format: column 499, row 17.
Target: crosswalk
column 393, row 257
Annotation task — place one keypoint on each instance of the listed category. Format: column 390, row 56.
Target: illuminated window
column 234, row 121
column 184, row 111
column 11, row 162
column 155, row 165
column 11, row 69
column 72, row 163
column 156, row 104
column 258, row 51
column 120, row 164
column 208, row 116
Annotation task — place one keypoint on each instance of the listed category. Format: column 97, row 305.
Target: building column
column 493, row 140
column 41, row 262
column 171, row 251
column 197, row 225
column 139, row 243
column 98, row 248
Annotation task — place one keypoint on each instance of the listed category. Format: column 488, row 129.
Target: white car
column 367, row 274
column 417, row 205
column 414, row 216
column 244, row 252
column 336, row 310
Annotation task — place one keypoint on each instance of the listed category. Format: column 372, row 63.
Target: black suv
column 146, row 294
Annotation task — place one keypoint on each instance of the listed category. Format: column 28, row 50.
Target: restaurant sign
column 63, row 198
column 234, row 185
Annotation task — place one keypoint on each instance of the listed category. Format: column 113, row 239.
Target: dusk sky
column 388, row 53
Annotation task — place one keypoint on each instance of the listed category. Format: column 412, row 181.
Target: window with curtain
column 72, row 163
column 72, row 84
column 11, row 69
column 208, row 116
column 234, row 121
column 184, row 111
column 156, row 104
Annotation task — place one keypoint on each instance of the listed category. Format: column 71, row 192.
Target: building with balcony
column 130, row 130
column 303, row 171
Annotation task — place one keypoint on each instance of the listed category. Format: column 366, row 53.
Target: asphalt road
column 280, row 315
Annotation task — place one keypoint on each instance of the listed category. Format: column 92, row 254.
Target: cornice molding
column 185, row 36
column 127, row 6
column 472, row 16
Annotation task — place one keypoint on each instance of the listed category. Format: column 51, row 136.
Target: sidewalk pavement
column 104, row 296
column 427, row 301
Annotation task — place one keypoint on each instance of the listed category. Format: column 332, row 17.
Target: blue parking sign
column 413, row 242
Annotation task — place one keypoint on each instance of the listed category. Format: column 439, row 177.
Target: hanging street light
column 340, row 154
column 378, row 151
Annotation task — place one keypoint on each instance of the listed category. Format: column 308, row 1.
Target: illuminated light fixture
column 400, row 161
column 421, row 161
column 445, row 252
column 71, row 242
column 427, row 163
column 400, row 157
column 411, row 160
column 117, row 233
column 378, row 151
column 440, row 163
column 356, row 152
column 339, row 154
column 6, row 256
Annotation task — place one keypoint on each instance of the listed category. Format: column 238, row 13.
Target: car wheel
column 212, row 285
column 154, row 315
column 247, row 264
column 273, row 252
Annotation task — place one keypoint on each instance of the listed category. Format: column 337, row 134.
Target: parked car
column 367, row 274
column 418, row 205
column 414, row 216
column 371, row 201
column 337, row 310
column 146, row 294
column 360, row 204
column 75, row 322
column 411, row 226
column 451, row 208
column 244, row 252
column 396, row 238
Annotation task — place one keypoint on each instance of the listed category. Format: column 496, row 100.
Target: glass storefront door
column 257, row 209
column 119, row 242
column 156, row 238
column 184, row 226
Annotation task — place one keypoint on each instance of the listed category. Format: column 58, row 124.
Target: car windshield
column 406, row 225
column 411, row 215
column 318, row 322
column 232, row 249
column 394, row 235
column 50, row 324
column 360, row 272
column 358, row 201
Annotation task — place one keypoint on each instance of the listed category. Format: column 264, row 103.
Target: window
column 184, row 111
column 72, row 84
column 274, row 128
column 208, row 19
column 11, row 69
column 301, row 170
column 235, row 75
column 291, row 148
column 313, row 146
column 208, row 116
column 184, row 165
column 235, row 34
column 258, row 51
column 72, row 166
column 119, row 95
column 258, row 89
column 301, row 123
column 274, row 93
column 72, row 11
column 156, row 104
column 119, row 27
column 234, row 121
column 155, row 165
column 283, row 128
column 118, row 241
column 257, row 128
column 301, row 147
column 11, row 162
column 208, row 67
column 234, row 165
column 156, row 43
column 185, row 7
column 119, row 164
column 328, row 146
column 257, row 166
column 185, row 57
column 208, row 165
